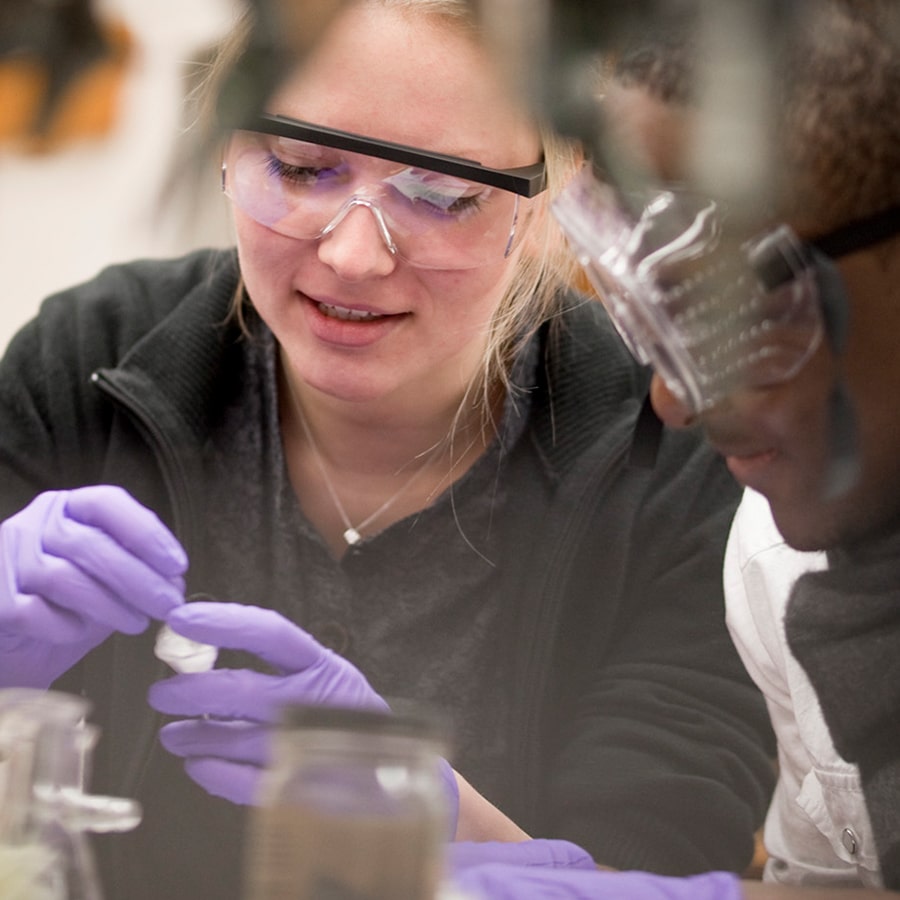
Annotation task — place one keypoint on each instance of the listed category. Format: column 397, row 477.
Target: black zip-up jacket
column 632, row 727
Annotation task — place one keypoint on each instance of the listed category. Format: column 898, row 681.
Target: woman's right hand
column 75, row 566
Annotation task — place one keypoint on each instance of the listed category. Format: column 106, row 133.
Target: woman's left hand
column 225, row 742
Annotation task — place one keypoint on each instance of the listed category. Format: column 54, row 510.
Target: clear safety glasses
column 710, row 313
column 434, row 211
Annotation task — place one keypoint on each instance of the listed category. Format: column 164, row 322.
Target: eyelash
column 460, row 206
column 309, row 174
column 286, row 172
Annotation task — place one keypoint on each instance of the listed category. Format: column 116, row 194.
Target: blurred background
column 93, row 189
column 111, row 175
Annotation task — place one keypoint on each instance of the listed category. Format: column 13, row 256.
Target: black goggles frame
column 859, row 234
column 526, row 181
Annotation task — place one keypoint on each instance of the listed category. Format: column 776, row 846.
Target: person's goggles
column 710, row 313
column 434, row 211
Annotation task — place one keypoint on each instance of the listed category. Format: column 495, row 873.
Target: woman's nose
column 357, row 245
column 673, row 412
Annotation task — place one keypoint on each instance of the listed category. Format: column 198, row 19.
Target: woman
column 386, row 420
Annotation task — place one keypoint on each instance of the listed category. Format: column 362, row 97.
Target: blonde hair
column 545, row 267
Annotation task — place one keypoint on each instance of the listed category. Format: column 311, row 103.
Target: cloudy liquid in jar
column 297, row 853
column 352, row 807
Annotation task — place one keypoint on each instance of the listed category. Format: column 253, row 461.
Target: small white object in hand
column 182, row 654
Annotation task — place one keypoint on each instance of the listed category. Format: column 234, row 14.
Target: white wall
column 66, row 214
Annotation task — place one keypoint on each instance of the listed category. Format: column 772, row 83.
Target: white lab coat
column 817, row 831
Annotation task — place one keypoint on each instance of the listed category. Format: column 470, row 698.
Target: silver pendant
column 352, row 536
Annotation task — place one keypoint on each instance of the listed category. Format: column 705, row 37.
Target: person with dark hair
column 771, row 311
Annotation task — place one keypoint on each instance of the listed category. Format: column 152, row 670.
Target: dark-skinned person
column 772, row 326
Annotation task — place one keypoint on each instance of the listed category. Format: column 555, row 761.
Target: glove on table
column 499, row 881
column 553, row 854
column 75, row 566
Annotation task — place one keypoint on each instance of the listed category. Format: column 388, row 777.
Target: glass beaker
column 353, row 806
column 45, row 752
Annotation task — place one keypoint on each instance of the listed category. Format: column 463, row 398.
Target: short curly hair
column 836, row 102
column 841, row 110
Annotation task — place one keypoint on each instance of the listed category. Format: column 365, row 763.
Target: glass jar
column 45, row 754
column 353, row 806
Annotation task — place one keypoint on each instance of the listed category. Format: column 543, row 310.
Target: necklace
column 351, row 533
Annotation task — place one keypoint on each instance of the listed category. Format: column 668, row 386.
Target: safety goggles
column 432, row 210
column 711, row 313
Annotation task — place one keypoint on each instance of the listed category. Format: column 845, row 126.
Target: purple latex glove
column 499, row 881
column 554, row 854
column 225, row 753
column 75, row 566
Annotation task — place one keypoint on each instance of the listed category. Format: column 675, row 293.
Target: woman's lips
column 348, row 315
column 350, row 327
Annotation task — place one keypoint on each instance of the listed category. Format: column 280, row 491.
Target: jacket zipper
column 172, row 472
